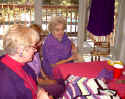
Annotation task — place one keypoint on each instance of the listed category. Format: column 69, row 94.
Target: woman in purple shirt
column 57, row 48
column 17, row 79
column 53, row 87
column 35, row 64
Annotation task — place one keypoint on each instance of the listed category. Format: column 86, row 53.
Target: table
column 90, row 70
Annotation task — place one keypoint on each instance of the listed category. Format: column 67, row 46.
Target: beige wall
column 122, row 54
column 119, row 50
column 38, row 11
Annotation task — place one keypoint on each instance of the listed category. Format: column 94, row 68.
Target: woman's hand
column 42, row 94
column 77, row 57
column 73, row 57
column 74, row 49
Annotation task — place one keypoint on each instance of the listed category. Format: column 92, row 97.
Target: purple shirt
column 36, row 63
column 54, row 51
column 11, row 85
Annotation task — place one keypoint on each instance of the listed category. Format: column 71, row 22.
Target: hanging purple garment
column 101, row 19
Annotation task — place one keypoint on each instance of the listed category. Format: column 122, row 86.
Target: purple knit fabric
column 106, row 75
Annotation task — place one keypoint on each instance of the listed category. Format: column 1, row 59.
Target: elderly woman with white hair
column 17, row 79
column 57, row 47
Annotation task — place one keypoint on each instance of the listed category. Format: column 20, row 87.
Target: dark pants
column 55, row 90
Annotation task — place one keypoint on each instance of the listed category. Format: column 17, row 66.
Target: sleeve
column 35, row 64
column 50, row 54
column 7, row 90
column 37, row 61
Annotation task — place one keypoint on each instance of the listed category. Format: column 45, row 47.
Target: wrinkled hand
column 74, row 56
column 79, row 58
column 74, row 51
column 42, row 94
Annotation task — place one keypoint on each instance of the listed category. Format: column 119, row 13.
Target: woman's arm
column 75, row 53
column 73, row 57
column 74, row 49
column 43, row 74
column 46, row 80
column 64, row 61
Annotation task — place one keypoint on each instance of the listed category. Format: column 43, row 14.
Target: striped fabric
column 84, row 88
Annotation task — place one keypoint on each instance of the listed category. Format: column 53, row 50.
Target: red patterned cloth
column 90, row 70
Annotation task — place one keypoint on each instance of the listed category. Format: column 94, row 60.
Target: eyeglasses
column 59, row 29
column 31, row 47
column 34, row 47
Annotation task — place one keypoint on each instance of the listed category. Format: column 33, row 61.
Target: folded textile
column 91, row 86
column 84, row 88
column 105, row 74
column 72, row 79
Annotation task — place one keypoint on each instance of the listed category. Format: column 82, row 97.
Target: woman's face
column 28, row 53
column 59, row 31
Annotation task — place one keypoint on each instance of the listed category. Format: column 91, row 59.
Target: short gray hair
column 19, row 35
column 55, row 21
